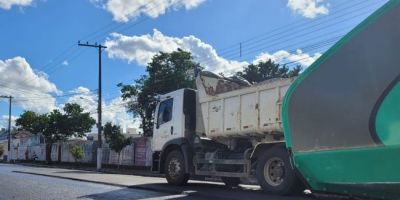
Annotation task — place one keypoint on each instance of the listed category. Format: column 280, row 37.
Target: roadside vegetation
column 165, row 73
column 57, row 125
column 115, row 139
column 262, row 71
column 76, row 152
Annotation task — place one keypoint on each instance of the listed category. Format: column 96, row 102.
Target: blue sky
column 42, row 35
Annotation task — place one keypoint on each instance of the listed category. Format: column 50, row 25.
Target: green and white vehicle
column 333, row 129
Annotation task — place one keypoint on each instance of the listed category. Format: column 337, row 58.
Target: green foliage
column 77, row 152
column 166, row 72
column 32, row 122
column 115, row 139
column 262, row 71
column 1, row 150
column 56, row 125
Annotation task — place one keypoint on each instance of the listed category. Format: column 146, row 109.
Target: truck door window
column 165, row 112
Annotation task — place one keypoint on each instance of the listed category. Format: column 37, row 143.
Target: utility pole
column 240, row 50
column 9, row 126
column 99, row 123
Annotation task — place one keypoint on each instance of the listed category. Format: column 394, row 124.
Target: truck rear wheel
column 275, row 174
column 175, row 168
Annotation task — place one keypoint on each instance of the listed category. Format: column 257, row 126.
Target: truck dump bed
column 231, row 109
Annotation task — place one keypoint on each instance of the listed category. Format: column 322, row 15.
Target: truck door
column 164, row 124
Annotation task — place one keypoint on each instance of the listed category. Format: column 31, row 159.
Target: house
column 94, row 137
column 131, row 132
column 25, row 138
column 3, row 134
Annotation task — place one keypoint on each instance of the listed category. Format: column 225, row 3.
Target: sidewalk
column 211, row 190
column 120, row 180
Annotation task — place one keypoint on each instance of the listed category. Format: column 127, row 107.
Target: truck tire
column 175, row 168
column 231, row 181
column 275, row 173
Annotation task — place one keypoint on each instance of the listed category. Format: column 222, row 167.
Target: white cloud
column 112, row 111
column 31, row 89
column 125, row 10
column 7, row 4
column 65, row 63
column 283, row 56
column 308, row 8
column 4, row 121
column 142, row 48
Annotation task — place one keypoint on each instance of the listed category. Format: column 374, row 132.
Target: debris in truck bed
column 216, row 84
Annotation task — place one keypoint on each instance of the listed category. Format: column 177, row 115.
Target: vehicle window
column 165, row 112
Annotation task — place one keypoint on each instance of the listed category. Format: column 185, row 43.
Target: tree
column 115, row 139
column 56, row 125
column 255, row 73
column 166, row 72
column 76, row 152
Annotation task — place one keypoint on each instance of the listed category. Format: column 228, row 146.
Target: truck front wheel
column 175, row 168
column 275, row 174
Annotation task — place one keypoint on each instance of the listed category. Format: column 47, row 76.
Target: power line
column 109, row 27
column 105, row 30
column 37, row 93
column 283, row 29
column 249, row 51
column 246, row 41
column 24, row 99
column 303, row 31
column 74, row 56
column 69, row 54
column 314, row 46
column 25, row 91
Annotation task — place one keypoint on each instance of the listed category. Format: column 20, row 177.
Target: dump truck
column 334, row 129
column 227, row 128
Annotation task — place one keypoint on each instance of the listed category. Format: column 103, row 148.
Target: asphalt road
column 28, row 186
column 24, row 186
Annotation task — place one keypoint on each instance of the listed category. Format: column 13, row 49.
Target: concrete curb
column 134, row 172
column 69, row 178
column 154, row 189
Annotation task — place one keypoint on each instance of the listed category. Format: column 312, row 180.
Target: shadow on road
column 216, row 191
column 128, row 193
column 194, row 191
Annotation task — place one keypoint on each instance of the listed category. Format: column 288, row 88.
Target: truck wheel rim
column 174, row 168
column 274, row 171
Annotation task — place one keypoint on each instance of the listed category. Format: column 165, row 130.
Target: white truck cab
column 173, row 132
column 169, row 119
